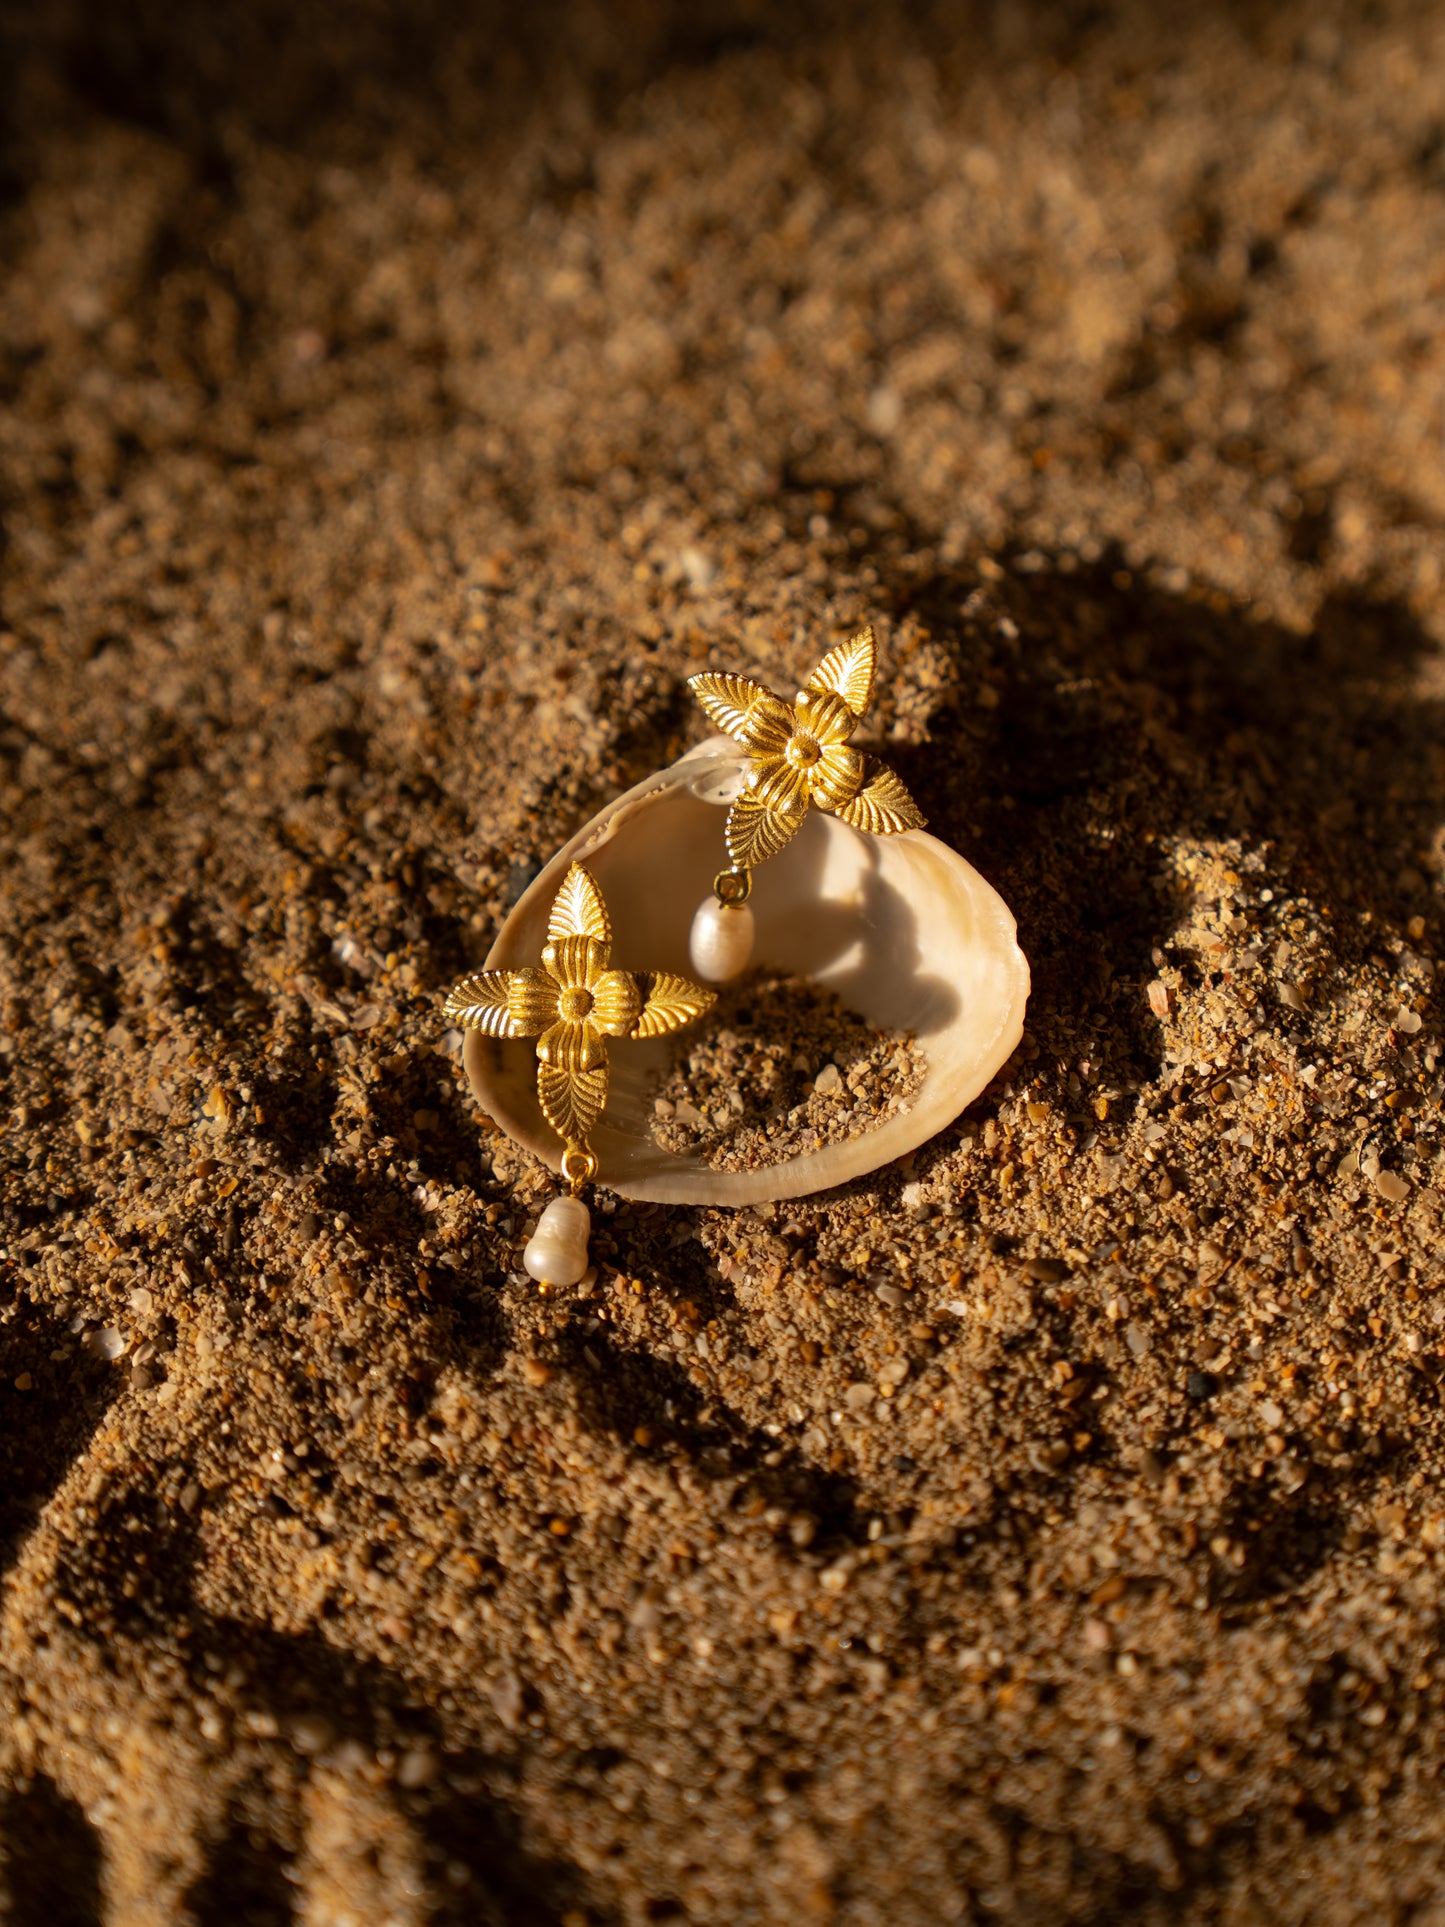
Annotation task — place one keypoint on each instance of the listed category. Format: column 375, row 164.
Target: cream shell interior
column 905, row 931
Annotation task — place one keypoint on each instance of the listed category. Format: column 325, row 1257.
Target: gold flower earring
column 799, row 757
column 572, row 1004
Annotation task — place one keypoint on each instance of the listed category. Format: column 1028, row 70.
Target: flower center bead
column 574, row 1004
column 804, row 750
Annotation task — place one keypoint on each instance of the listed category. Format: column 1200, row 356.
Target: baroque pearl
column 556, row 1252
column 721, row 941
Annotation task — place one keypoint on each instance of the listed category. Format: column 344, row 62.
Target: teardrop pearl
column 556, row 1252
column 721, row 942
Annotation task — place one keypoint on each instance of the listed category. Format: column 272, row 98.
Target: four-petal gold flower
column 800, row 755
column 573, row 1004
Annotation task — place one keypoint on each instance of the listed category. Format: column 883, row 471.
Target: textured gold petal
column 781, row 787
column 753, row 834
column 848, row 671
column 615, row 1003
column 578, row 909
column 838, row 776
column 483, row 1002
column 883, row 806
column 531, row 1001
column 746, row 710
column 824, row 715
column 668, row 1003
column 572, row 1045
column 572, row 1101
column 576, row 962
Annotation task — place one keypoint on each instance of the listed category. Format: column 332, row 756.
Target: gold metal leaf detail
column 746, row 710
column 482, row 1002
column 883, row 806
column 754, row 834
column 572, row 1101
column 848, row 671
column 668, row 1003
column 578, row 909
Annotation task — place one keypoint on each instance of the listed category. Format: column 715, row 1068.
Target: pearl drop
column 721, row 942
column 556, row 1252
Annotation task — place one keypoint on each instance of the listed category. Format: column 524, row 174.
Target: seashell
column 901, row 928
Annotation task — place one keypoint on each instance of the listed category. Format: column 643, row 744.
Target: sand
column 396, row 405
column 781, row 1067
